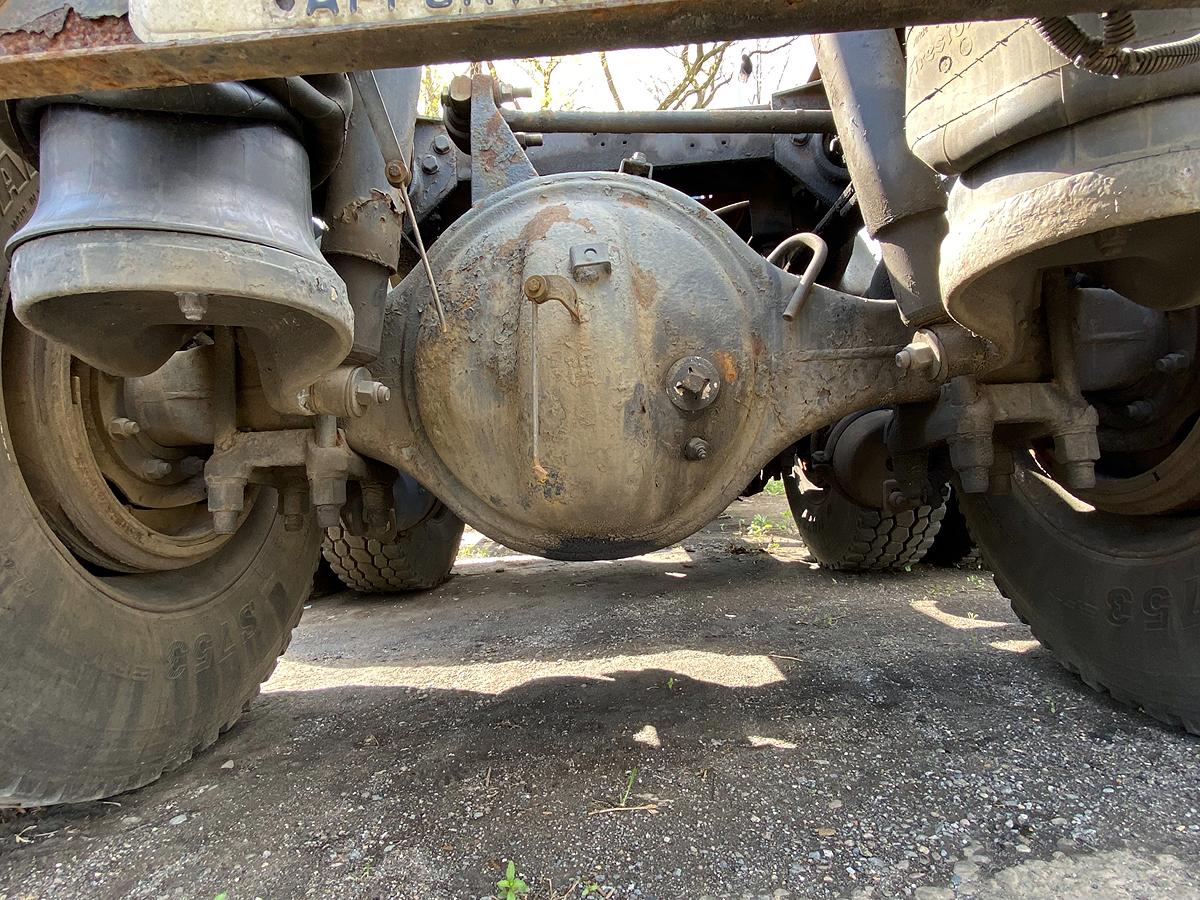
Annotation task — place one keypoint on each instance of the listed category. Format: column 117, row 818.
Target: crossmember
column 97, row 44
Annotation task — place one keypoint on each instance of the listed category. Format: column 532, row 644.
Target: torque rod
column 366, row 91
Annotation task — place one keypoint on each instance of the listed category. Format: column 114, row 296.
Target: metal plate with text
column 163, row 20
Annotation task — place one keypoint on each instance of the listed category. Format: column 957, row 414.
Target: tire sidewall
column 1115, row 598
column 97, row 694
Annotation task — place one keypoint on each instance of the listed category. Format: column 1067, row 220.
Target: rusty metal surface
column 86, row 54
column 497, row 159
column 49, row 15
column 673, row 121
column 606, row 466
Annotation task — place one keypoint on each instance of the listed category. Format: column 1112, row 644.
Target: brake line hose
column 1109, row 55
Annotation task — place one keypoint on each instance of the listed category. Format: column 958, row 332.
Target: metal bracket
column 590, row 261
column 498, row 160
column 366, row 92
column 264, row 457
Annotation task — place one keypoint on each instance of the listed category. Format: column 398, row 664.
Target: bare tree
column 696, row 75
column 608, row 78
column 432, row 85
column 699, row 72
column 541, row 70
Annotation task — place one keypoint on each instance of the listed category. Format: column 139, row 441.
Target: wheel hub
column 116, row 498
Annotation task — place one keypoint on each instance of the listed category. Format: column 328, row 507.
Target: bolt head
column 395, row 174
column 370, row 393
column 441, row 144
column 975, row 479
column 123, row 428
column 156, row 468
column 535, row 287
column 693, row 383
column 430, row 164
column 193, row 305
column 191, row 466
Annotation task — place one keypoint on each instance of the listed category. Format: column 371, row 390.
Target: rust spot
column 54, row 31
column 631, row 199
column 726, row 365
column 536, row 228
column 645, row 287
column 548, row 482
column 757, row 347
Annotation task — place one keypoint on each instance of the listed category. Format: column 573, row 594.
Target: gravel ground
column 718, row 720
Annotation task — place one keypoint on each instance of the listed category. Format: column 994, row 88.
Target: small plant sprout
column 774, row 488
column 760, row 526
column 510, row 887
column 628, row 786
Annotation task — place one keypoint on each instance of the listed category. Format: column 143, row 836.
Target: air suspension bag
column 153, row 226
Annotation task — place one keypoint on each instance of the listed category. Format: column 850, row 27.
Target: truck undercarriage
column 253, row 309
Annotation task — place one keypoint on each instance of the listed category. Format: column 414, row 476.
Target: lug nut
column 441, row 144
column 123, row 428
column 696, row 449
column 1140, row 410
column 1173, row 362
column 156, row 468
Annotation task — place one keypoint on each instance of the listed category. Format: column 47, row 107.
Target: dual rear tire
column 124, row 656
column 1115, row 598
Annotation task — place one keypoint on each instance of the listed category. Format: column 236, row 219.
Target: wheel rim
column 90, row 486
column 1106, row 535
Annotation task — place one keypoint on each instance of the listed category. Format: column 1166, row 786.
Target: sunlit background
column 693, row 76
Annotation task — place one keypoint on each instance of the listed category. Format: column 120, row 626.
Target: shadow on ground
column 711, row 721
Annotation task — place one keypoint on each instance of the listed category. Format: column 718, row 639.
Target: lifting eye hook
column 786, row 251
